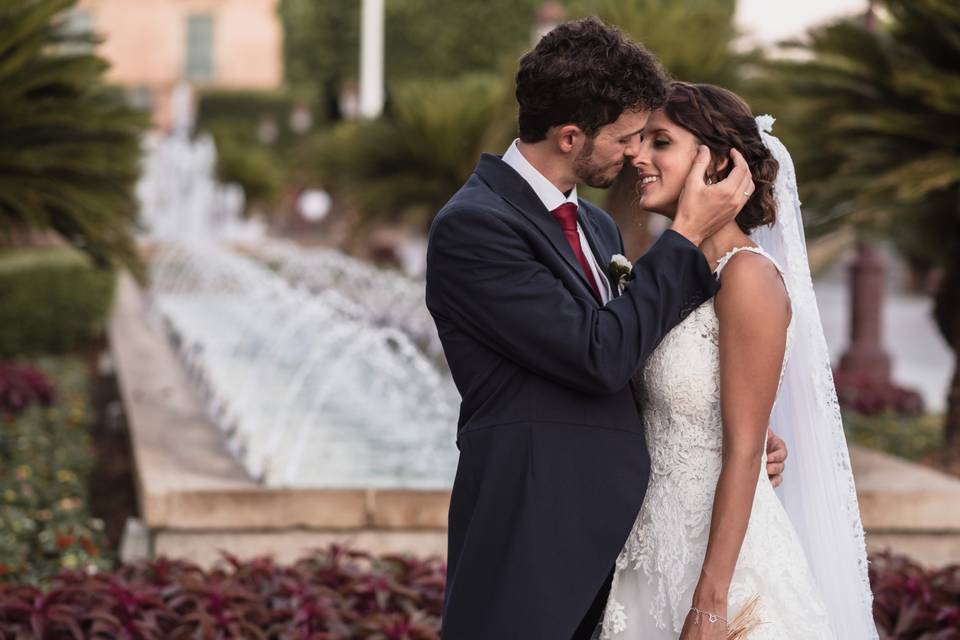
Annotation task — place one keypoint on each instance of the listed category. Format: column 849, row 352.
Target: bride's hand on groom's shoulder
column 776, row 457
column 704, row 209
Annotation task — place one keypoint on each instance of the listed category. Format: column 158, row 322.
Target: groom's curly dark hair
column 586, row 73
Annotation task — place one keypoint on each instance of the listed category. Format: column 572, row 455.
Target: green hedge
column 913, row 438
column 242, row 159
column 51, row 300
column 245, row 109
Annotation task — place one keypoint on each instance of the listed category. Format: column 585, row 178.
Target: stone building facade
column 152, row 45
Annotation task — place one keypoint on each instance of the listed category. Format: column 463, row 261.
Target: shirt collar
column 549, row 195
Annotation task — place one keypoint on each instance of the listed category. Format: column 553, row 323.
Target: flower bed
column 915, row 439
column 348, row 595
column 865, row 396
column 335, row 594
column 45, row 462
column 911, row 603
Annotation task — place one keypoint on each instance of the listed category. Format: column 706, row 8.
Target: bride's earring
column 709, row 181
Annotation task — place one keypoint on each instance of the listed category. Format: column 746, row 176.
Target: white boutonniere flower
column 620, row 271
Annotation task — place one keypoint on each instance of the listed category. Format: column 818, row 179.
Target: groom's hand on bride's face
column 776, row 458
column 704, row 209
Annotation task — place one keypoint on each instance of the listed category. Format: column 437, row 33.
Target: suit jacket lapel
column 514, row 189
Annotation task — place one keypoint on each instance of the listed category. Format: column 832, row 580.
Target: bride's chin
column 656, row 208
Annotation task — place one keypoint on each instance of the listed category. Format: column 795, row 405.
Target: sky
column 767, row 21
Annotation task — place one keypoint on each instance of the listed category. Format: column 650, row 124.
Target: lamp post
column 865, row 358
column 371, row 59
column 864, row 379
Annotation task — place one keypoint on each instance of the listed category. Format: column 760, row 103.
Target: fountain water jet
column 320, row 370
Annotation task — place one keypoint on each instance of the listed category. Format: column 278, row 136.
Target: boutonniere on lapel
column 620, row 271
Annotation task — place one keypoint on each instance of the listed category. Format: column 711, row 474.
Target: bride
column 715, row 552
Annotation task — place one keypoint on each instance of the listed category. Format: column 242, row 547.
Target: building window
column 199, row 58
column 140, row 97
column 77, row 26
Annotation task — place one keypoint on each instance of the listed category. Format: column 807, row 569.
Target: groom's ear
column 568, row 137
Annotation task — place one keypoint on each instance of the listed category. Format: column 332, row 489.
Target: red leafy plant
column 341, row 594
column 333, row 594
column 870, row 398
column 912, row 603
column 22, row 386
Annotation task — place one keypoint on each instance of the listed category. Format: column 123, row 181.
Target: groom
column 553, row 463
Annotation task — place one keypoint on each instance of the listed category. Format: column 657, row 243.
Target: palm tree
column 69, row 148
column 694, row 41
column 406, row 165
column 882, row 106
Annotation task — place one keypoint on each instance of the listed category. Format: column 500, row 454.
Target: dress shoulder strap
column 722, row 262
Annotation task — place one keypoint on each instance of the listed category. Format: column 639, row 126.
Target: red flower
column 22, row 386
column 89, row 546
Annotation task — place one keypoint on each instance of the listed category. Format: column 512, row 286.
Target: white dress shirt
column 552, row 197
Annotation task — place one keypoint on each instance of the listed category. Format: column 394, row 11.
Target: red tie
column 566, row 215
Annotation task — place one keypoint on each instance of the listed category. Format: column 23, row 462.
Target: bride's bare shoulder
column 751, row 287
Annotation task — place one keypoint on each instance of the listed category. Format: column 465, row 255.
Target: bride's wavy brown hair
column 722, row 120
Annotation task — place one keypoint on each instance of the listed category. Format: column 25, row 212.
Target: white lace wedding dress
column 659, row 567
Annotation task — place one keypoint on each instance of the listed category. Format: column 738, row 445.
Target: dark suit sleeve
column 483, row 277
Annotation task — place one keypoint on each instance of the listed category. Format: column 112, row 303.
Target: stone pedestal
column 866, row 358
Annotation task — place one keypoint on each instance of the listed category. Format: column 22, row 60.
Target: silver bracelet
column 711, row 617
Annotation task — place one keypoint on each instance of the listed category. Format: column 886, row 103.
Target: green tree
column 442, row 39
column 692, row 38
column 320, row 46
column 882, row 114
column 69, row 148
column 406, row 165
column 424, row 40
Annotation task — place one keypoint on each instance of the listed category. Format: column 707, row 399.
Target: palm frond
column 69, row 149
column 882, row 112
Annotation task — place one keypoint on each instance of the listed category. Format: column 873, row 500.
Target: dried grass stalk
column 746, row 621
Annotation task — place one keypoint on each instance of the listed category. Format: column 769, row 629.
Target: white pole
column 371, row 59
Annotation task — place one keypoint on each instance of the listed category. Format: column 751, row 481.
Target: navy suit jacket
column 553, row 461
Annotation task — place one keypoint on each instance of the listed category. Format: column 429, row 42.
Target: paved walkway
column 921, row 358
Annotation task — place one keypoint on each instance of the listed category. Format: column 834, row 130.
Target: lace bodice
column 679, row 392
column 679, row 388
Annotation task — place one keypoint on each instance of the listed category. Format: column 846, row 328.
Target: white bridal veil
column 818, row 491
